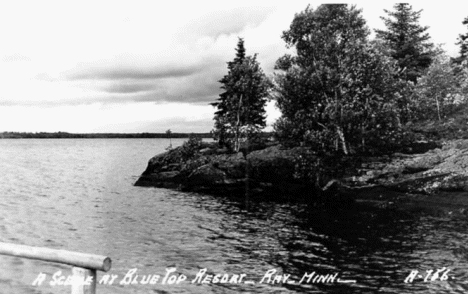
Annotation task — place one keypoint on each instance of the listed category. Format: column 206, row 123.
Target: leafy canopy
column 338, row 93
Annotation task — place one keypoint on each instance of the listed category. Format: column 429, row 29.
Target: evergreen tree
column 408, row 41
column 222, row 104
column 463, row 43
column 339, row 92
column 241, row 107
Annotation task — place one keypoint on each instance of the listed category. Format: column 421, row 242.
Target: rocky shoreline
column 214, row 171
column 437, row 176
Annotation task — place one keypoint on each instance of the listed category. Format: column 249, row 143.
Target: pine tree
column 222, row 104
column 241, row 107
column 408, row 41
column 463, row 43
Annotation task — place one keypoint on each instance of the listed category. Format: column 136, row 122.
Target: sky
column 148, row 66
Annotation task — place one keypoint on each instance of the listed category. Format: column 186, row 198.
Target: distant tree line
column 65, row 135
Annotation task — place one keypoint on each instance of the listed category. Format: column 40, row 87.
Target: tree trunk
column 247, row 173
column 342, row 139
column 237, row 135
column 438, row 109
column 318, row 175
column 363, row 139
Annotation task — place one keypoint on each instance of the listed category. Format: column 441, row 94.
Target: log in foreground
column 77, row 259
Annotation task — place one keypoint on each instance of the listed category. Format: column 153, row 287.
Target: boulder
column 440, row 169
column 159, row 179
column 270, row 171
column 206, row 175
column 207, row 151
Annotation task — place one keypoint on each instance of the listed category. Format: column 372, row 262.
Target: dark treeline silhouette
column 65, row 135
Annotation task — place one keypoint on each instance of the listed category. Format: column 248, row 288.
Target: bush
column 191, row 147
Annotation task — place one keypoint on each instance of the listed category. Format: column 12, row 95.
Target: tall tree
column 408, row 41
column 241, row 107
column 222, row 104
column 463, row 43
column 337, row 93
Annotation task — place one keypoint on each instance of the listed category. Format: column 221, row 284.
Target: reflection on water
column 78, row 195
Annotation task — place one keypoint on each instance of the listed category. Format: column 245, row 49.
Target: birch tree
column 337, row 93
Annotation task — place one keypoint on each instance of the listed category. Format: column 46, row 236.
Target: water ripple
column 78, row 195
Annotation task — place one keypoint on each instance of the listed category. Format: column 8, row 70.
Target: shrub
column 191, row 147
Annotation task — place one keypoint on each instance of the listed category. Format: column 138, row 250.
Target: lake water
column 78, row 195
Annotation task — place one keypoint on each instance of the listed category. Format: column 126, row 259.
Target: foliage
column 190, row 148
column 438, row 92
column 462, row 77
column 408, row 41
column 307, row 167
column 452, row 127
column 320, row 170
column 338, row 93
column 190, row 165
column 463, row 43
column 241, row 107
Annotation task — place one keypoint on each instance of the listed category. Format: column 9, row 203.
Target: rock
column 233, row 167
column 167, row 176
column 206, row 175
column 156, row 163
column 273, row 164
column 421, row 147
column 270, row 171
column 420, row 185
column 173, row 166
column 440, row 169
column 453, row 183
column 222, row 151
column 207, row 151
column 414, row 169
column 159, row 179
column 457, row 144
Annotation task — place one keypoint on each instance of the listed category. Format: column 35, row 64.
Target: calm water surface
column 78, row 195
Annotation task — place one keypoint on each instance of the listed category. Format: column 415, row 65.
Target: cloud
column 15, row 58
column 129, row 87
column 190, row 83
column 112, row 73
column 58, row 58
column 198, row 89
column 124, row 53
column 226, row 21
column 196, row 83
